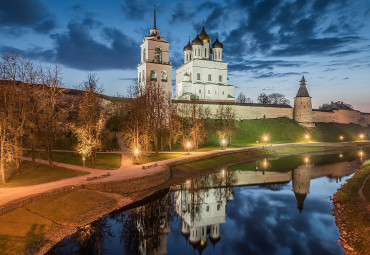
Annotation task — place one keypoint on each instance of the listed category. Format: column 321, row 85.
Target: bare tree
column 263, row 99
column 277, row 98
column 91, row 119
column 225, row 122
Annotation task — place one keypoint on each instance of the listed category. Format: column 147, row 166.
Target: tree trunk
column 33, row 157
column 93, row 158
column 2, row 164
column 48, row 153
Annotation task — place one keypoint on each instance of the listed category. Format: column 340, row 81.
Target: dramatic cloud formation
column 20, row 14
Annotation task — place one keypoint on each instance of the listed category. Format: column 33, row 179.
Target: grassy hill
column 284, row 130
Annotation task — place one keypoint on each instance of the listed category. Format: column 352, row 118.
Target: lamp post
column 265, row 139
column 362, row 136
column 223, row 143
column 83, row 162
column 307, row 137
column 341, row 138
column 188, row 147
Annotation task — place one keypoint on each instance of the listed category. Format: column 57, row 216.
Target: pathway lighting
column 265, row 138
column 341, row 155
column 361, row 155
column 341, row 138
column 223, row 143
column 188, row 147
column 362, row 136
column 83, row 162
column 136, row 152
column 307, row 137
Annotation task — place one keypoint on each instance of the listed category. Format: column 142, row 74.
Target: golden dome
column 204, row 36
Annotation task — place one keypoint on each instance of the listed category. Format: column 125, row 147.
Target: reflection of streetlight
column 265, row 164
column 223, row 173
column 341, row 138
column 341, row 155
column 306, row 160
column 362, row 136
column 188, row 146
column 361, row 154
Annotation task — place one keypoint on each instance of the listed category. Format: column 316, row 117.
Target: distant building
column 303, row 106
column 203, row 76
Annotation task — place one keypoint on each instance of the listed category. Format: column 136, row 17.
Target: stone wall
column 246, row 111
column 338, row 116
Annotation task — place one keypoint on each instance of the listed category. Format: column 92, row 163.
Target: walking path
column 126, row 171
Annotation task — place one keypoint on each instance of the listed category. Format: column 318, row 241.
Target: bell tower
column 303, row 106
column 154, row 65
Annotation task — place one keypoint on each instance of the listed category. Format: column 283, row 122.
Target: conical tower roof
column 300, row 200
column 302, row 92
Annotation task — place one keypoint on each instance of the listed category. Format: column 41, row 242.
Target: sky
column 268, row 44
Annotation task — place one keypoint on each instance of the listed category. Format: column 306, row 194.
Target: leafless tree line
column 34, row 111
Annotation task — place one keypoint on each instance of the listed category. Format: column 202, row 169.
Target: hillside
column 284, row 130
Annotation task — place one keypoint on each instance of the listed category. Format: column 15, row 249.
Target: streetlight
column 188, row 146
column 223, row 143
column 83, row 162
column 307, row 137
column 306, row 160
column 341, row 138
column 362, row 136
column 265, row 138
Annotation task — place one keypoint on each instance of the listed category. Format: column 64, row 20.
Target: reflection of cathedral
column 202, row 208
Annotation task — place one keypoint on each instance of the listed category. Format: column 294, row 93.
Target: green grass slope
column 284, row 130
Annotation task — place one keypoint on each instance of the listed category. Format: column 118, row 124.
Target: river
column 271, row 206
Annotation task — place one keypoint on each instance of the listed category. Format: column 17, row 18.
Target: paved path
column 123, row 173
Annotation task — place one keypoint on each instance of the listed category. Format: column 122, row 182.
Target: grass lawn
column 71, row 206
column 25, row 230
column 353, row 218
column 106, row 161
column 42, row 174
column 217, row 161
column 159, row 157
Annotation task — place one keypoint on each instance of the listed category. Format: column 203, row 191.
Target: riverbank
column 49, row 228
column 352, row 212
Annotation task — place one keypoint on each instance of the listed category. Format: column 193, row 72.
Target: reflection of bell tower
column 301, row 183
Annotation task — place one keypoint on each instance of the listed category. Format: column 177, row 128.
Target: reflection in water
column 241, row 210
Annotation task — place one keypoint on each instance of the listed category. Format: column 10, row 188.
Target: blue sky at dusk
column 268, row 44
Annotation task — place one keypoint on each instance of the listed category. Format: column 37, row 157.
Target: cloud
column 136, row 9
column 181, row 12
column 78, row 49
column 257, row 65
column 26, row 14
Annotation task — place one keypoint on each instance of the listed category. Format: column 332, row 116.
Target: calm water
column 279, row 206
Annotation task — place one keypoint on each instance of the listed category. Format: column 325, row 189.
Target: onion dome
column 217, row 44
column 188, row 46
column 204, row 36
column 197, row 41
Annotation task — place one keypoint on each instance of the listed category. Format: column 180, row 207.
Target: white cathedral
column 203, row 76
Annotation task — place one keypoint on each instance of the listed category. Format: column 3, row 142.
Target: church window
column 164, row 76
column 139, row 77
column 209, row 77
column 158, row 55
column 200, row 91
column 190, row 57
column 187, row 57
column 218, row 207
column 144, row 55
column 205, row 52
column 143, row 76
column 198, row 52
column 209, row 92
column 153, row 75
column 223, row 92
column 220, row 78
column 207, row 208
column 198, row 76
column 219, row 55
column 215, row 92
